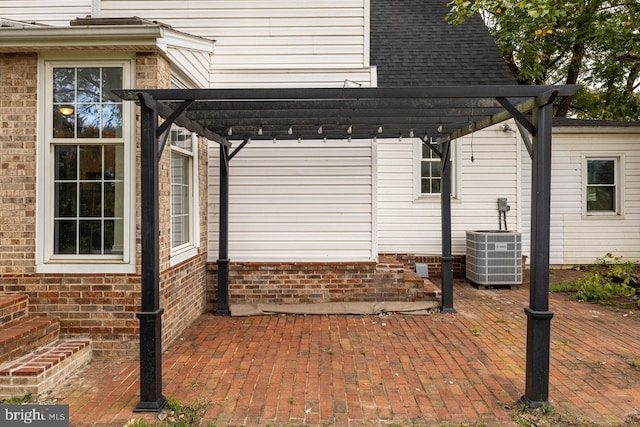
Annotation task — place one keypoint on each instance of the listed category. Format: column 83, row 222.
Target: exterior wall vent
column 494, row 258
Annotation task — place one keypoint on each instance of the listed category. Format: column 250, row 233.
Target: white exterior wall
column 406, row 225
column 312, row 201
column 55, row 13
column 270, row 43
column 582, row 239
column 257, row 43
column 191, row 65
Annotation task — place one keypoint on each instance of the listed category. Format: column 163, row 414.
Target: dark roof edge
column 575, row 123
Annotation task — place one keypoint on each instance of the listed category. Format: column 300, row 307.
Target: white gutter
column 147, row 36
column 90, row 36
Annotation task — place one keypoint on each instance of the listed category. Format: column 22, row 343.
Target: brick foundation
column 308, row 282
column 433, row 261
column 182, row 290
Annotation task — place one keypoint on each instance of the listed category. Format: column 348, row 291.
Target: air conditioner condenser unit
column 494, row 257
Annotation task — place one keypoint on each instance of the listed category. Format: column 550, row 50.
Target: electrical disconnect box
column 503, row 208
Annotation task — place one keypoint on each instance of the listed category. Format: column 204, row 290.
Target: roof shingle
column 413, row 45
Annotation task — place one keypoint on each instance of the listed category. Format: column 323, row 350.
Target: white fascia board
column 180, row 40
column 93, row 36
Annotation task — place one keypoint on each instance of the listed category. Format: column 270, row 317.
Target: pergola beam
column 543, row 99
column 362, row 94
column 367, row 102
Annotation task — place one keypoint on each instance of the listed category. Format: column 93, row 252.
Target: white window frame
column 418, row 195
column 618, row 160
column 46, row 261
column 190, row 248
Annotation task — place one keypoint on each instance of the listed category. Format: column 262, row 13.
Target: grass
column 18, row 400
column 565, row 286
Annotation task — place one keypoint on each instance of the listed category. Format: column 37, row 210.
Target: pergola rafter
column 439, row 114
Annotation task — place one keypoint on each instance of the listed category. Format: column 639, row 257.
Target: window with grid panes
column 182, row 179
column 87, row 163
column 430, row 171
column 85, row 169
column 602, row 186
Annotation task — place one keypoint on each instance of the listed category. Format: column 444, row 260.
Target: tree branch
column 628, row 58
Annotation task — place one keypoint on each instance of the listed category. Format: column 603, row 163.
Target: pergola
column 437, row 115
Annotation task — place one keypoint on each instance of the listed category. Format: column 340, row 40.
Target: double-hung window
column 184, row 194
column 602, row 186
column 428, row 170
column 86, row 212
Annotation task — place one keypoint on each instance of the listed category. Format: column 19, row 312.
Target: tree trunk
column 577, row 55
column 584, row 27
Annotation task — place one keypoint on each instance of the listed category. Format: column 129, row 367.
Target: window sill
column 183, row 254
column 86, row 268
column 603, row 215
column 432, row 198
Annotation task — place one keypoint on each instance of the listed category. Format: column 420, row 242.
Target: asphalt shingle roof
column 413, row 45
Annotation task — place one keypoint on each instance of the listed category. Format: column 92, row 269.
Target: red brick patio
column 378, row 370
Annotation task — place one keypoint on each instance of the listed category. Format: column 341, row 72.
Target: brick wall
column 182, row 295
column 433, row 261
column 100, row 306
column 303, row 282
column 18, row 84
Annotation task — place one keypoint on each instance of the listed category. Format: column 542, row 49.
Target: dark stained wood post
column 445, row 226
column 150, row 315
column 223, row 236
column 538, row 314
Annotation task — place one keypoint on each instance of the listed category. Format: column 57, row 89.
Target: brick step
column 25, row 334
column 429, row 289
column 432, row 290
column 44, row 368
column 13, row 307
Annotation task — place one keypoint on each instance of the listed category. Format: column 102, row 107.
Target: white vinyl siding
column 563, row 197
column 256, row 43
column 406, row 225
column 191, row 65
column 296, row 202
column 56, row 13
column 292, row 78
column 577, row 238
column 270, row 43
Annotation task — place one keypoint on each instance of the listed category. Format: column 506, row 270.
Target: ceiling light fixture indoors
column 66, row 110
